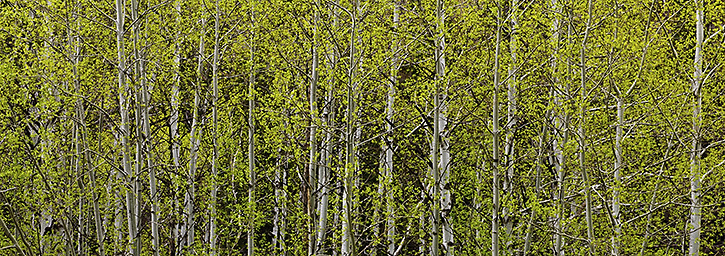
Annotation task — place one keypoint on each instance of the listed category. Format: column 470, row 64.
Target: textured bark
column 312, row 165
column 696, row 153
column 510, row 158
column 174, row 126
column 442, row 183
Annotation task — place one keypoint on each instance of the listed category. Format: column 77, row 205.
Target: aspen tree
column 214, row 132
column 511, row 121
column 582, row 134
column 195, row 139
column 495, row 221
column 561, row 130
column 325, row 168
column 174, row 118
column 128, row 172
column 441, row 176
column 388, row 144
column 312, row 165
column 250, row 142
column 696, row 153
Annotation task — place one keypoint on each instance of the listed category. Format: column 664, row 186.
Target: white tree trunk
column 214, row 134
column 325, row 168
column 388, row 144
column 312, row 165
column 582, row 132
column 560, row 130
column 128, row 173
column 508, row 186
column 174, row 122
column 695, row 155
column 348, row 243
column 496, row 156
column 444, row 141
column 195, row 135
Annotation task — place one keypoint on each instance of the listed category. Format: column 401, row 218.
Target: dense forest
column 362, row 127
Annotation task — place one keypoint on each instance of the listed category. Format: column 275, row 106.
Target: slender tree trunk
column 539, row 164
column 388, row 144
column 280, row 202
column 215, row 153
column 510, row 157
column 560, row 130
column 443, row 171
column 582, row 132
column 325, row 169
column 617, row 188
column 137, row 73
column 312, row 165
column 174, row 125
column 495, row 159
column 128, row 172
column 348, row 243
column 194, row 146
column 250, row 152
column 695, row 155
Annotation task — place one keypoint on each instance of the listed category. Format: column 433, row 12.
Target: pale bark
column 539, row 164
column 696, row 153
column 617, row 187
column 250, row 152
column 214, row 134
column 560, row 130
column 443, row 171
column 508, row 186
column 81, row 138
column 280, row 205
column 142, row 135
column 348, row 243
column 325, row 169
column 128, row 173
column 174, row 124
column 495, row 222
column 388, row 144
column 582, row 133
column 312, row 165
column 195, row 135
